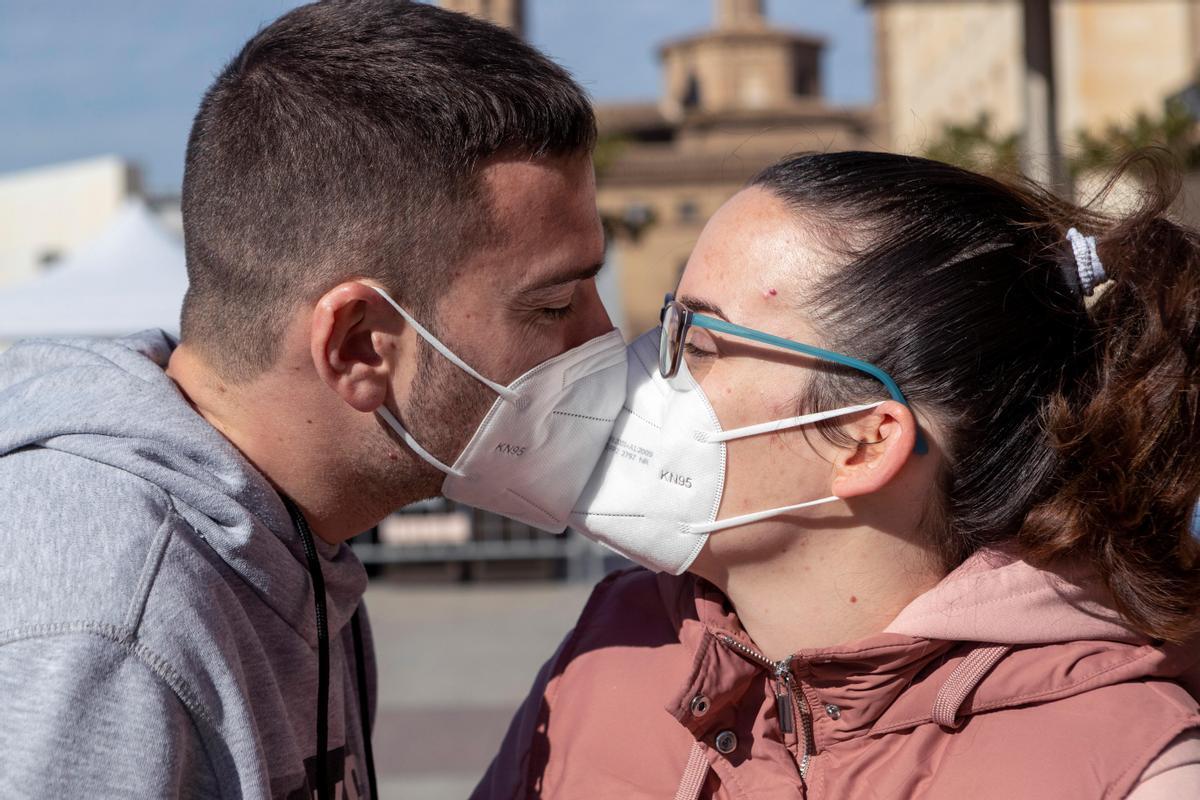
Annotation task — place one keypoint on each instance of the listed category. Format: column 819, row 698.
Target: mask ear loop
column 745, row 519
column 505, row 392
column 508, row 394
column 768, row 427
column 782, row 424
column 403, row 433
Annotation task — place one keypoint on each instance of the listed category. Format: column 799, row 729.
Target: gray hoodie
column 158, row 634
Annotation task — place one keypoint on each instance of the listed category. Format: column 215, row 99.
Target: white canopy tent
column 129, row 278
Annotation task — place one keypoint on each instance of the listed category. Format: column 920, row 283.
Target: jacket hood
column 998, row 598
column 110, row 402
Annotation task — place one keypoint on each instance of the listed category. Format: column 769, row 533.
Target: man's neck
column 830, row 587
column 285, row 435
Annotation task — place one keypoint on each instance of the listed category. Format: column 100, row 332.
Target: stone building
column 734, row 98
column 507, row 13
column 945, row 61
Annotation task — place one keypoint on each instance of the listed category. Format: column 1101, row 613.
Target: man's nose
column 591, row 319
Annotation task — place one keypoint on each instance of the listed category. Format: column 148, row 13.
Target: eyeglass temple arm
column 720, row 325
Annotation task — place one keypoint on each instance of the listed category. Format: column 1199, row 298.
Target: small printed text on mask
column 629, row 451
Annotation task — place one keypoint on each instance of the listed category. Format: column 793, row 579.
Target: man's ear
column 887, row 435
column 357, row 343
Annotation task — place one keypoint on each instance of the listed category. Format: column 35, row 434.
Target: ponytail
column 1127, row 432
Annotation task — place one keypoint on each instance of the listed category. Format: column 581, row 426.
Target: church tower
column 742, row 64
column 505, row 13
column 740, row 14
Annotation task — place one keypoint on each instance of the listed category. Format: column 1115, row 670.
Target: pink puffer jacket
column 1003, row 681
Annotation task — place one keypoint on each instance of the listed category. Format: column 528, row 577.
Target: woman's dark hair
column 1070, row 426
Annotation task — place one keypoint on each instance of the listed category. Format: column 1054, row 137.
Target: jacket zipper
column 787, row 699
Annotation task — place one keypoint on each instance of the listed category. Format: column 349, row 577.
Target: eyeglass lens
column 670, row 347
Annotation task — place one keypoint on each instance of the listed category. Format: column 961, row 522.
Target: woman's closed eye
column 700, row 344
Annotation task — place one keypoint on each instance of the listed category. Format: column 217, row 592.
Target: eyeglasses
column 677, row 319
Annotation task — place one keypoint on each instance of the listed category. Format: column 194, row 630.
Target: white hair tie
column 1087, row 262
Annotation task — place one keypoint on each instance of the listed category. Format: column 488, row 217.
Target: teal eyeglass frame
column 668, row 362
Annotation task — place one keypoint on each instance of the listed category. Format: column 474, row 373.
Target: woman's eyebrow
column 703, row 306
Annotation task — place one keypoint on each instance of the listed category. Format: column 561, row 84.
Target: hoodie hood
column 110, row 402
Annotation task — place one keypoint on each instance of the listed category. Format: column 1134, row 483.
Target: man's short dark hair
column 345, row 140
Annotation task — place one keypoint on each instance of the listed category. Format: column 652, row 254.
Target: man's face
column 525, row 296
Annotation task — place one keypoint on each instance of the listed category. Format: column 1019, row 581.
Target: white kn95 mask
column 655, row 494
column 534, row 450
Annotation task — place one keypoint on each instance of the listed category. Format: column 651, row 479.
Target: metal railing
column 439, row 531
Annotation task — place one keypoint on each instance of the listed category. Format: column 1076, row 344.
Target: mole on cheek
column 769, row 293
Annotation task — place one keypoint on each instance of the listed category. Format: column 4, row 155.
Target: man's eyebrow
column 584, row 274
column 703, row 306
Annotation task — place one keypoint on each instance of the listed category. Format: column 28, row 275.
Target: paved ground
column 455, row 661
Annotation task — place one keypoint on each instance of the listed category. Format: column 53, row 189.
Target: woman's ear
column 887, row 435
column 355, row 340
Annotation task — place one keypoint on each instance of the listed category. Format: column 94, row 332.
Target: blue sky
column 124, row 76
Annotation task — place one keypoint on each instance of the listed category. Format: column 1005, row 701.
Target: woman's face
column 753, row 265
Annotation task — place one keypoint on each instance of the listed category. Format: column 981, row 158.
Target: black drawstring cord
column 364, row 710
column 318, row 581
